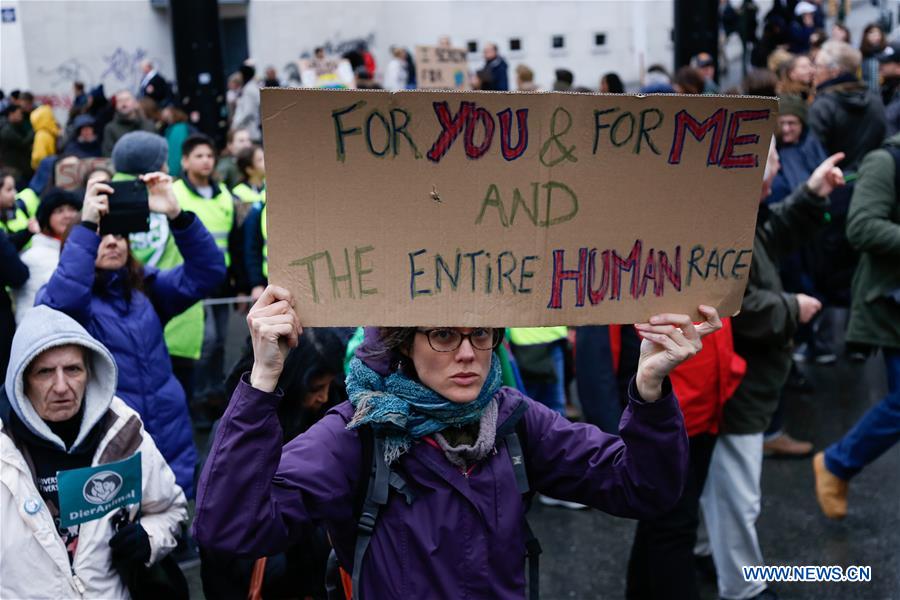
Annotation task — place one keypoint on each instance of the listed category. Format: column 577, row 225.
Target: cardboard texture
column 510, row 209
column 441, row 68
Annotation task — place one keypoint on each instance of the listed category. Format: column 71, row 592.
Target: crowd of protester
column 101, row 330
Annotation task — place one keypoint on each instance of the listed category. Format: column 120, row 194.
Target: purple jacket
column 462, row 537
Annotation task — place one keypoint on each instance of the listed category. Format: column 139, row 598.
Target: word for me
column 478, row 132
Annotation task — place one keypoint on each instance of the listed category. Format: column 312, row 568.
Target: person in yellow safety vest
column 540, row 353
column 17, row 211
column 251, row 191
column 199, row 192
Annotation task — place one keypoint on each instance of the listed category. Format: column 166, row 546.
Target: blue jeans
column 551, row 394
column 874, row 433
column 598, row 389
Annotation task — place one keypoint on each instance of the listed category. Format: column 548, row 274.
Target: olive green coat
column 873, row 228
column 769, row 316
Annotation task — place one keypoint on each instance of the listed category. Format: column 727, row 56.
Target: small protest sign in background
column 92, row 492
column 441, row 68
column 447, row 208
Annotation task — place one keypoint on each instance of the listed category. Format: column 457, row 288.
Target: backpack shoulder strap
column 511, row 431
column 376, row 497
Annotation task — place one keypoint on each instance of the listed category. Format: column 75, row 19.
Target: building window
column 515, row 44
column 473, row 46
column 558, row 42
column 599, row 40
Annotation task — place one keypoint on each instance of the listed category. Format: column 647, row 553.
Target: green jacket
column 873, row 228
column 769, row 316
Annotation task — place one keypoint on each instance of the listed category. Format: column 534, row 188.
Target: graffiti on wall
column 337, row 46
column 117, row 69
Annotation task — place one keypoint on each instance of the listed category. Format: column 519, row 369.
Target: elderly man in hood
column 58, row 412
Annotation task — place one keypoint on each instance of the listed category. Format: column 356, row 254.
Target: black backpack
column 381, row 479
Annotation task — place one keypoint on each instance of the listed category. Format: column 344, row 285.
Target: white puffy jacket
column 33, row 560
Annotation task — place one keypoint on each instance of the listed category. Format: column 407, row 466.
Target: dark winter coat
column 769, row 316
column 848, row 117
column 462, row 536
column 873, row 228
column 133, row 329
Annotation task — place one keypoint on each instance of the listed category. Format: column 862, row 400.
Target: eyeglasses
column 444, row 339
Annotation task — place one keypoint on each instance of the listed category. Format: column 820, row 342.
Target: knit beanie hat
column 792, row 105
column 52, row 200
column 140, row 152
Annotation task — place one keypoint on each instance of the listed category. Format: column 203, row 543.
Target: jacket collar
column 213, row 182
column 840, row 79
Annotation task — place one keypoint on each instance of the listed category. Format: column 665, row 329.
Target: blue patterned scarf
column 407, row 410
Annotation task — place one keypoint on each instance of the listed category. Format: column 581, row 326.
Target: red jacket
column 704, row 383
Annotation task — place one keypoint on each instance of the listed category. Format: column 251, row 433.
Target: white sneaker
column 548, row 501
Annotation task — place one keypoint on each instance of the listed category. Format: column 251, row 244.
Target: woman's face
column 259, row 162
column 317, row 395
column 838, row 34
column 8, row 192
column 875, row 37
column 60, row 219
column 457, row 375
column 802, row 72
column 112, row 253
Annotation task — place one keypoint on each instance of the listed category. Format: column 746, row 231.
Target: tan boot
column 831, row 490
column 786, row 446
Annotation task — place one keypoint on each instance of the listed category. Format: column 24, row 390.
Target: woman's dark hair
column 134, row 270
column 866, row 47
column 614, row 83
column 846, row 31
column 244, row 161
column 760, row 82
column 93, row 170
column 689, row 80
column 319, row 352
column 178, row 115
column 7, row 172
column 194, row 140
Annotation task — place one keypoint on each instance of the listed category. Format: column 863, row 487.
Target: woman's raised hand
column 668, row 341
column 160, row 196
column 274, row 330
column 96, row 201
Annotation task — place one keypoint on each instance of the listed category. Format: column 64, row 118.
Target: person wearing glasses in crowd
column 429, row 403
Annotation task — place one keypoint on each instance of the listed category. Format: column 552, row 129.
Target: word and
column 552, row 215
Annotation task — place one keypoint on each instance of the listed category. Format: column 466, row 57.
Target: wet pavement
column 586, row 552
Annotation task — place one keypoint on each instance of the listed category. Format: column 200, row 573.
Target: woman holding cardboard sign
column 420, row 477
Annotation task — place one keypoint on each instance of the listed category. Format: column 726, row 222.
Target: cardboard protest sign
column 329, row 73
column 69, row 173
column 92, row 492
column 441, row 68
column 445, row 208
